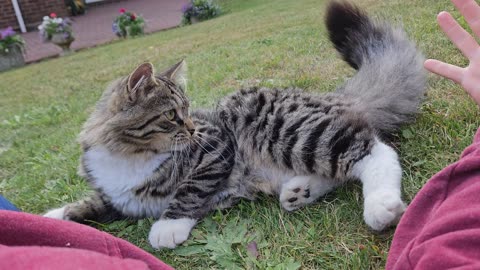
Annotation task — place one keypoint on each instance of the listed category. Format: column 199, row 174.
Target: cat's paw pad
column 292, row 199
column 58, row 213
column 295, row 197
column 383, row 209
column 168, row 233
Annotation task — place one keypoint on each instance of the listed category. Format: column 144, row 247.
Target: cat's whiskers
column 210, row 153
column 214, row 148
column 187, row 152
column 230, row 150
column 173, row 174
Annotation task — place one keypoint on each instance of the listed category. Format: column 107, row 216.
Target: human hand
column 468, row 77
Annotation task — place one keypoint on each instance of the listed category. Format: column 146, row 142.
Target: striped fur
column 143, row 161
column 297, row 131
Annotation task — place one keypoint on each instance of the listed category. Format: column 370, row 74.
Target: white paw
column 302, row 190
column 383, row 209
column 58, row 213
column 292, row 199
column 170, row 232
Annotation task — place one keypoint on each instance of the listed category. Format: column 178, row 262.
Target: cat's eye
column 170, row 115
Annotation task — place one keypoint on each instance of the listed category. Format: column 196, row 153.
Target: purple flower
column 67, row 21
column 7, row 32
column 116, row 29
column 186, row 7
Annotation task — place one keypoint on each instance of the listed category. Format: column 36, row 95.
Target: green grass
column 274, row 43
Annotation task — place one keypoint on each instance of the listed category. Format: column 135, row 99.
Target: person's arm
column 468, row 77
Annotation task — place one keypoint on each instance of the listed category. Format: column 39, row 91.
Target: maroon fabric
column 33, row 242
column 441, row 227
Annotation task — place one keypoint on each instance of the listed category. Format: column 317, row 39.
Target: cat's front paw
column 168, row 233
column 58, row 213
column 383, row 209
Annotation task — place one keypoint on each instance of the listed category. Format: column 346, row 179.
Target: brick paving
column 95, row 27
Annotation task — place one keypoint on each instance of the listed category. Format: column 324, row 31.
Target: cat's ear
column 177, row 74
column 142, row 74
column 140, row 81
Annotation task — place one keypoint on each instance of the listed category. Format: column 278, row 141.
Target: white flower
column 40, row 27
column 57, row 20
column 46, row 18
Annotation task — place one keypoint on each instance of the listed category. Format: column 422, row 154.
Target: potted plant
column 58, row 31
column 11, row 49
column 76, row 7
column 199, row 10
column 128, row 24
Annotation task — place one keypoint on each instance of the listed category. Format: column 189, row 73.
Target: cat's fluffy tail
column 390, row 82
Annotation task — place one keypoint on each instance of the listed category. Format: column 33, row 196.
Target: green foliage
column 76, row 7
column 199, row 10
column 230, row 246
column 10, row 39
column 128, row 24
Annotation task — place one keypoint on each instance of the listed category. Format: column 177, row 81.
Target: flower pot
column 63, row 41
column 12, row 58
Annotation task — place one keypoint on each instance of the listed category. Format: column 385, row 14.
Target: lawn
column 267, row 42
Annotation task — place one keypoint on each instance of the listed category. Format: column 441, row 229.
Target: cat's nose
column 190, row 126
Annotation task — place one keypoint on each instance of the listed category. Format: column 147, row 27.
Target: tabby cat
column 145, row 155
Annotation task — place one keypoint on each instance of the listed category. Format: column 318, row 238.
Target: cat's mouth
column 180, row 142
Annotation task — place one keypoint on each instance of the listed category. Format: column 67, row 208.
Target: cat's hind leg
column 301, row 190
column 381, row 175
column 93, row 208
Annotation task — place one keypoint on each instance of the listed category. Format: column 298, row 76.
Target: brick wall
column 7, row 14
column 32, row 12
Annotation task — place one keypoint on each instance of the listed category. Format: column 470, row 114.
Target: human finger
column 471, row 11
column 448, row 71
column 461, row 38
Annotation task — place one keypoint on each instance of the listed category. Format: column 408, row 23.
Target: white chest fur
column 117, row 176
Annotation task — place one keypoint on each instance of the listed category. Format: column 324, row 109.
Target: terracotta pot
column 12, row 58
column 62, row 42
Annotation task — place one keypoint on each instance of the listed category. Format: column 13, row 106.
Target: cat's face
column 151, row 111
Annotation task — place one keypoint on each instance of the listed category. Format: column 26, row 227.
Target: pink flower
column 122, row 10
column 133, row 17
column 53, row 15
